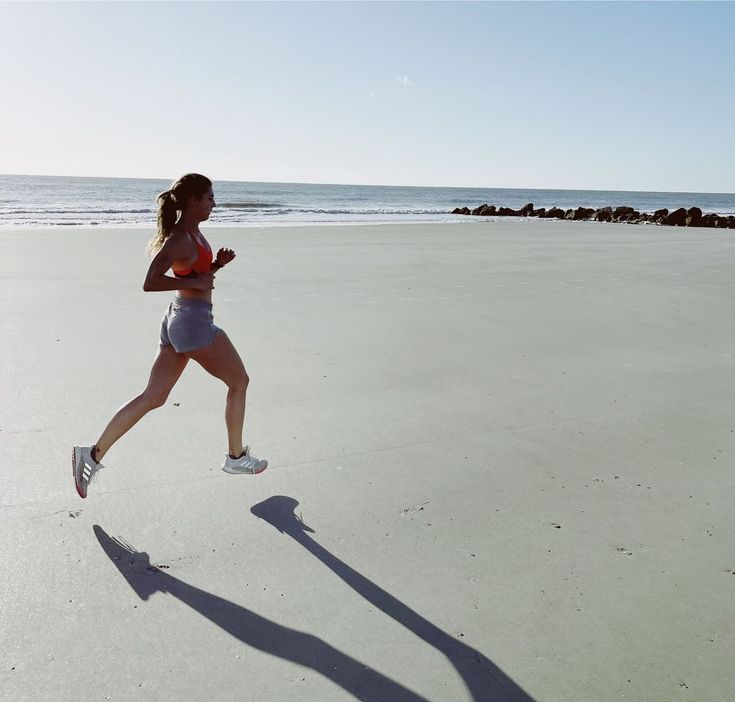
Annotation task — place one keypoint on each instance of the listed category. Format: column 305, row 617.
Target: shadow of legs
column 484, row 680
column 309, row 651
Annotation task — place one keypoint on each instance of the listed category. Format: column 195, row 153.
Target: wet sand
column 500, row 469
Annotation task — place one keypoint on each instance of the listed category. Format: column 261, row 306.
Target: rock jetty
column 693, row 217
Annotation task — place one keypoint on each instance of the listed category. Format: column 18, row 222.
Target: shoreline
column 463, row 222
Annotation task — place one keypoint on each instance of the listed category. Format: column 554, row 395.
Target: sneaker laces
column 253, row 459
column 93, row 472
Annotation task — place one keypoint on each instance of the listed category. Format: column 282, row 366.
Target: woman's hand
column 224, row 256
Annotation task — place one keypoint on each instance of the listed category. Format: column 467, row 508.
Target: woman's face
column 203, row 207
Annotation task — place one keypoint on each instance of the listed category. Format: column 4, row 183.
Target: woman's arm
column 156, row 278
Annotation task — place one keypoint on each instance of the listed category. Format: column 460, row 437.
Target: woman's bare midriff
column 195, row 294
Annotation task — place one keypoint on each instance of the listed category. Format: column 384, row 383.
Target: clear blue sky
column 629, row 96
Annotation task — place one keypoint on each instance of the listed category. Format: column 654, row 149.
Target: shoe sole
column 74, row 473
column 245, row 472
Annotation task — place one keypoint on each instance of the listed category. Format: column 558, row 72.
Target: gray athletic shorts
column 188, row 324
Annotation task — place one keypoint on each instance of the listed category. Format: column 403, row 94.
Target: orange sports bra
column 201, row 265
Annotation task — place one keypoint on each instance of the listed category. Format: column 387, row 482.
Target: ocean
column 52, row 201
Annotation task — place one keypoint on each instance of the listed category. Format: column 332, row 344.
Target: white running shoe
column 84, row 468
column 245, row 464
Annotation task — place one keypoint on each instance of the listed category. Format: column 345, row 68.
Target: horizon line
column 375, row 185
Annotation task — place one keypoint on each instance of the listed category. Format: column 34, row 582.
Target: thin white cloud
column 404, row 80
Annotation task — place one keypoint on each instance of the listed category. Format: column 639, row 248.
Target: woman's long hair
column 173, row 201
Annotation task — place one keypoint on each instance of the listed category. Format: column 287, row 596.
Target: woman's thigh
column 221, row 359
column 166, row 370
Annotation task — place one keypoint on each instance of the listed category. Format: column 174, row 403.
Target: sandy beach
column 500, row 469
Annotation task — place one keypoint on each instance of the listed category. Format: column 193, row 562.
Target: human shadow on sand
column 484, row 680
column 359, row 680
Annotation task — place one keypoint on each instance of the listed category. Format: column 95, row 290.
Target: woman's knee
column 154, row 399
column 239, row 382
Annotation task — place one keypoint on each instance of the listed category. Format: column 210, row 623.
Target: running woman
column 187, row 329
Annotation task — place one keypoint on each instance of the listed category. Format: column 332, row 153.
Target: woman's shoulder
column 179, row 238
column 178, row 244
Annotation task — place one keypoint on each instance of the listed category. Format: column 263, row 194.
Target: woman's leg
column 166, row 370
column 221, row 359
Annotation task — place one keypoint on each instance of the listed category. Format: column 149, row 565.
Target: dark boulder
column 622, row 211
column 677, row 218
column 526, row 210
column 659, row 215
column 507, row 212
column 489, row 211
column 711, row 220
column 581, row 213
column 479, row 209
column 694, row 218
column 540, row 212
column 625, row 214
column 603, row 215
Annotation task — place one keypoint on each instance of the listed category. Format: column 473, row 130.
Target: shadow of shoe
column 134, row 566
column 279, row 512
